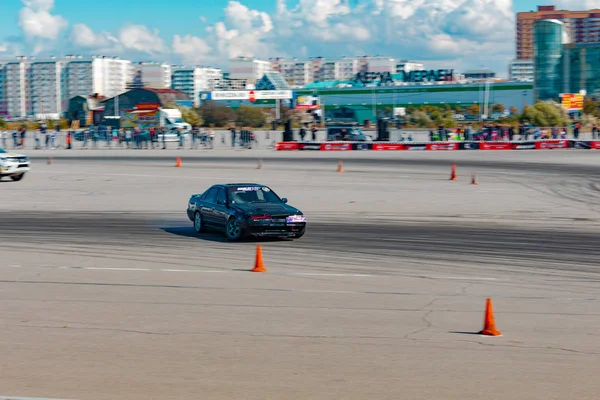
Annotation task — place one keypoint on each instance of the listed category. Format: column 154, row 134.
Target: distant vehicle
column 13, row 165
column 245, row 209
column 335, row 132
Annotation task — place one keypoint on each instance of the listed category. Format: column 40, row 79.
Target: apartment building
column 194, row 80
column 151, row 75
column 521, row 70
column 35, row 87
column 381, row 64
column 581, row 26
column 248, row 69
column 408, row 66
column 3, row 110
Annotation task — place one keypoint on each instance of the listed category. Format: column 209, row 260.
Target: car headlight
column 295, row 218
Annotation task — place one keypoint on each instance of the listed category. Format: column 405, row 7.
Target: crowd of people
column 508, row 132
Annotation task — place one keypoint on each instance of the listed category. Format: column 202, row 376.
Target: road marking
column 325, row 274
column 14, row 266
column 466, row 278
column 118, row 269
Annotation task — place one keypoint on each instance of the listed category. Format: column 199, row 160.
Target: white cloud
column 82, row 36
column 192, row 49
column 140, row 38
column 3, row 47
column 577, row 4
column 37, row 22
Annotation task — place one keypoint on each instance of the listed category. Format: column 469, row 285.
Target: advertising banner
column 572, row 101
column 141, row 119
column 494, row 146
column 310, row 146
column 307, row 103
column 387, row 146
column 595, row 145
column 442, row 146
column 582, row 144
column 287, row 146
column 552, row 144
column 361, row 146
column 336, row 146
column 468, row 146
column 415, row 146
column 250, row 95
column 523, row 146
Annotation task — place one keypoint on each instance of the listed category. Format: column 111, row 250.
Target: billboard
column 143, row 119
column 572, row 102
column 250, row 95
column 308, row 103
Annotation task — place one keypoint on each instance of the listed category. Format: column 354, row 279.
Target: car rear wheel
column 233, row 230
column 17, row 178
column 198, row 223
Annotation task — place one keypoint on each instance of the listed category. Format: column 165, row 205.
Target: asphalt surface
column 107, row 292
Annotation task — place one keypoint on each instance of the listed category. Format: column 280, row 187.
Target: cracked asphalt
column 106, row 292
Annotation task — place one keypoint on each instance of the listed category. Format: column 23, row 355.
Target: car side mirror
column 284, row 200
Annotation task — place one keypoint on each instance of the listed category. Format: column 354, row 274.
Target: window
column 211, row 196
column 221, row 197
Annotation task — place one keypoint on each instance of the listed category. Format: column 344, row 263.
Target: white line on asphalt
column 117, row 269
column 466, row 278
column 14, row 266
column 326, row 274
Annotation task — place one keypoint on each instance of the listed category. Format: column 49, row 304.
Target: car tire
column 233, row 231
column 198, row 223
column 17, row 178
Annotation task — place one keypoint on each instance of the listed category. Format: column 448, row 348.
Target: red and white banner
column 387, row 146
column 336, row 146
column 494, row 146
column 552, row 144
column 442, row 146
column 287, row 146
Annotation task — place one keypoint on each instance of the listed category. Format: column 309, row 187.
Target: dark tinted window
column 211, row 197
column 221, row 197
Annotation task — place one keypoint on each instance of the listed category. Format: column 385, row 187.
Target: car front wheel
column 17, row 178
column 233, row 230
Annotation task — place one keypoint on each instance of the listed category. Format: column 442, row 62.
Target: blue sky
column 445, row 33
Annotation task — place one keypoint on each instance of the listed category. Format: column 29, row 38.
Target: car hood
column 268, row 209
column 6, row 155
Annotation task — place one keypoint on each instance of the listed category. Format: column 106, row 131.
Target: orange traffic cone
column 178, row 162
column 489, row 327
column 258, row 262
column 340, row 166
column 474, row 179
column 453, row 174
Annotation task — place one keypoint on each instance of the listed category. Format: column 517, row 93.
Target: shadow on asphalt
column 218, row 237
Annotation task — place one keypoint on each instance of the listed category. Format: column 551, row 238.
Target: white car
column 13, row 165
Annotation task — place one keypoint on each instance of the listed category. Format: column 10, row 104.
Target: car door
column 207, row 207
column 221, row 211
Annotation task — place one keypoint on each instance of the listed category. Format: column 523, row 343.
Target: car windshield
column 2, row 151
column 252, row 194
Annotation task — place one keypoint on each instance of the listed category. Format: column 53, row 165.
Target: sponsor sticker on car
column 292, row 219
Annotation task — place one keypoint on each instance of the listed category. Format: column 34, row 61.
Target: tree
column 250, row 116
column 473, row 110
column 189, row 115
column 216, row 115
column 420, row 119
column 591, row 107
column 498, row 108
column 513, row 110
column 545, row 114
column 3, row 123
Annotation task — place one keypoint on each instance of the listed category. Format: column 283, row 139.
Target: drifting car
column 13, row 165
column 245, row 209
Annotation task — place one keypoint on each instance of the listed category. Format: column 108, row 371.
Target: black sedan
column 245, row 209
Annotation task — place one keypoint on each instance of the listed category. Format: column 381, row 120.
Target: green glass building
column 563, row 67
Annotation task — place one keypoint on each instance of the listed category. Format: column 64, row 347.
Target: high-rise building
column 248, row 69
column 40, row 87
column 194, row 80
column 582, row 27
column 151, row 75
column 380, row 64
column 520, row 70
column 560, row 66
